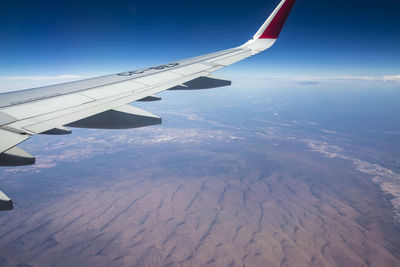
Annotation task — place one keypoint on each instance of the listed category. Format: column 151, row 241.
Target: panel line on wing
column 48, row 121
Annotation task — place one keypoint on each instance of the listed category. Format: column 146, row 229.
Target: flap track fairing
column 126, row 117
column 150, row 98
column 58, row 131
column 16, row 157
column 202, row 83
column 5, row 202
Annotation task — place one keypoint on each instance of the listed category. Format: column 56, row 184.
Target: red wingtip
column 274, row 28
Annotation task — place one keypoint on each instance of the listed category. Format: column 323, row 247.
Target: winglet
column 274, row 24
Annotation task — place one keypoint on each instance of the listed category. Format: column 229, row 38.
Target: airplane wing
column 104, row 102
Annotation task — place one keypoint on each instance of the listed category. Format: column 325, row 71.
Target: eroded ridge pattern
column 223, row 200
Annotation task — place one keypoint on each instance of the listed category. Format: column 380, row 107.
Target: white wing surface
column 104, row 102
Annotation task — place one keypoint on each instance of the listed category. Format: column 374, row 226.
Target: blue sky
column 87, row 38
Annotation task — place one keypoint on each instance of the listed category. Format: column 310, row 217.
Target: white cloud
column 392, row 78
column 314, row 79
column 371, row 78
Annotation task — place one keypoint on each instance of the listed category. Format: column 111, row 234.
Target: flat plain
column 221, row 201
column 283, row 178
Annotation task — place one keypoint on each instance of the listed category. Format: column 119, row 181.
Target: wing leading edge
column 101, row 102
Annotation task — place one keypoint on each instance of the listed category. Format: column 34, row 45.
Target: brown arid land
column 215, row 201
